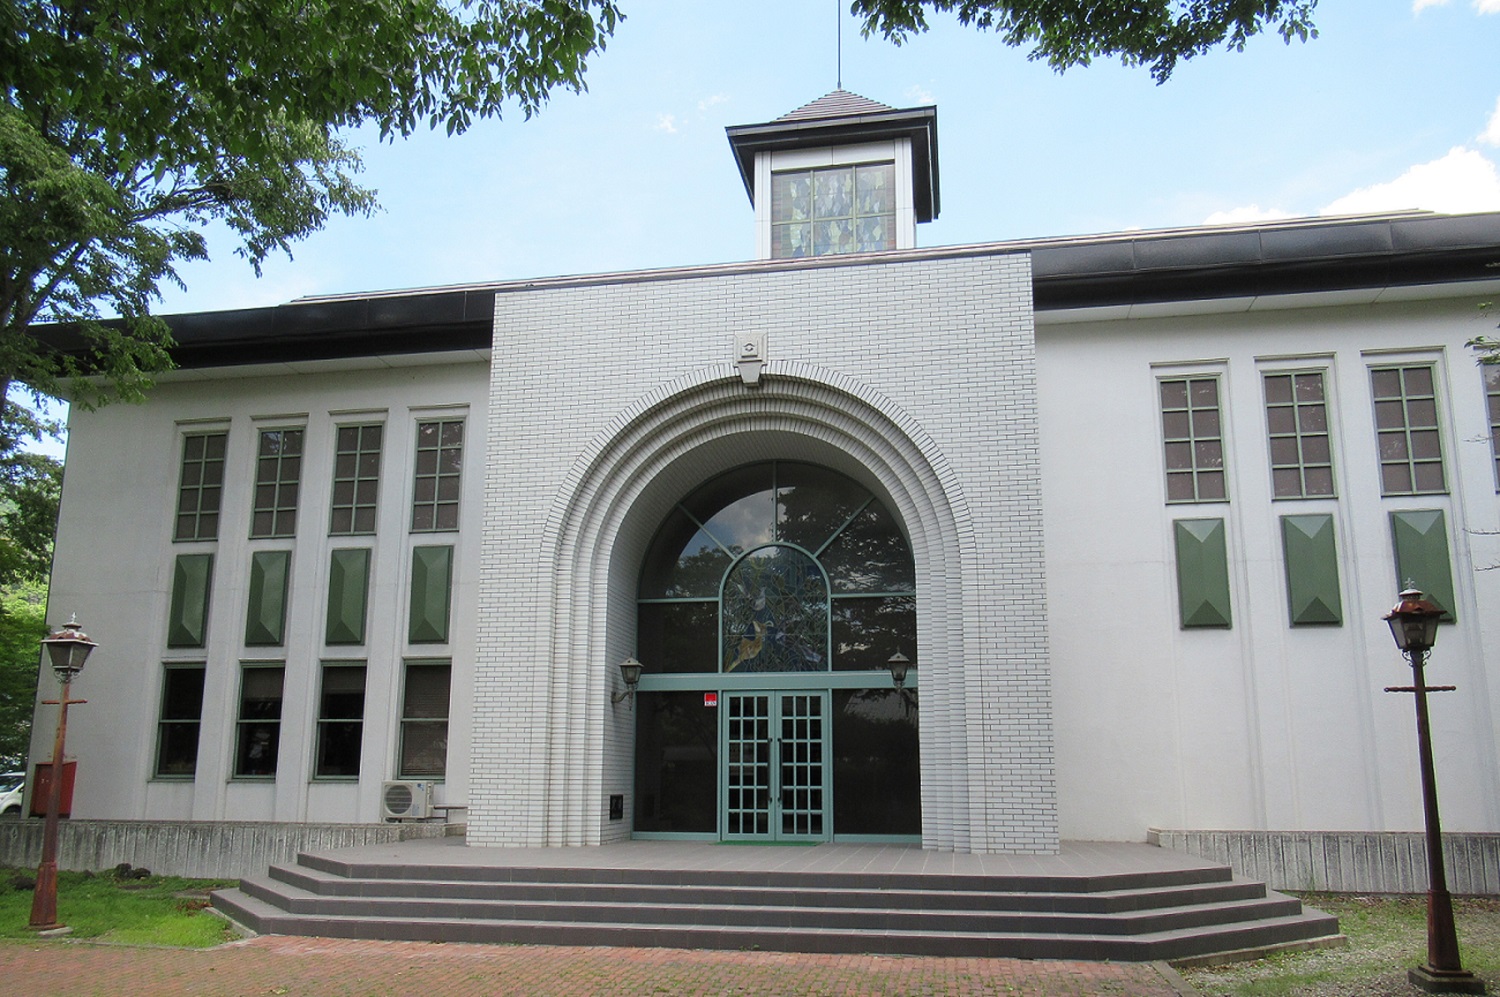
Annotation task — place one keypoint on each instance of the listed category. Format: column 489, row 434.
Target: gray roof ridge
column 837, row 103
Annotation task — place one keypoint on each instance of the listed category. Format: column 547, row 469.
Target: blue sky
column 1395, row 105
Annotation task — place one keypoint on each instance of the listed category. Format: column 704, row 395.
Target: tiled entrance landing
column 1093, row 900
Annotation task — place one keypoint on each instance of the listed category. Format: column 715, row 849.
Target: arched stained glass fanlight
column 777, row 567
column 775, row 612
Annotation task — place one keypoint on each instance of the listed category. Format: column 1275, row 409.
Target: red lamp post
column 1414, row 625
column 68, row 649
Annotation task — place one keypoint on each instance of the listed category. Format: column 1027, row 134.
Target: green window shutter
column 265, row 620
column 1312, row 570
column 1202, row 573
column 1421, row 542
column 348, row 594
column 431, row 594
column 191, row 580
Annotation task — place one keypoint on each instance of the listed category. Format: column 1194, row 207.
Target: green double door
column 776, row 775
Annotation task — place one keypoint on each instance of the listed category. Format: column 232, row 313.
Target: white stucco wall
column 1265, row 725
column 114, row 568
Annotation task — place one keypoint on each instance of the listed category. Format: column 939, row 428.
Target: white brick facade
column 615, row 399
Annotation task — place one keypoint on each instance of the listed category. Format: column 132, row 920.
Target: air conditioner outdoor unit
column 405, row 800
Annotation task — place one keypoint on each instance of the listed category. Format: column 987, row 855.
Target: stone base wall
column 1345, row 861
column 201, row 849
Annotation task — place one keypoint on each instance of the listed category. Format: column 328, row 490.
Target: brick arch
column 608, row 508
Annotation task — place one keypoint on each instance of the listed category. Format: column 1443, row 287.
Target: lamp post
column 68, row 649
column 1414, row 625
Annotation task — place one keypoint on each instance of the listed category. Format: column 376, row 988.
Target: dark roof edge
column 916, row 123
column 1301, row 256
column 1193, row 264
column 428, row 321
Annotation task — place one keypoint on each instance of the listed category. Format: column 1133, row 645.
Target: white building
column 1133, row 505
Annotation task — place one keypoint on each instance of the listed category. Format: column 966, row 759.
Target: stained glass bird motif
column 750, row 647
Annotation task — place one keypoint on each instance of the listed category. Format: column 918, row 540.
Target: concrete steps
column 1126, row 916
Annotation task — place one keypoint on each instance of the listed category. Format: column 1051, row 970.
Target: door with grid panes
column 776, row 774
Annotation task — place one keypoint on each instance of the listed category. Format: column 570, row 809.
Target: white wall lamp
column 630, row 671
column 898, row 663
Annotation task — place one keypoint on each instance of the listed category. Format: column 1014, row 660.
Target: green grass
column 157, row 910
column 1387, row 936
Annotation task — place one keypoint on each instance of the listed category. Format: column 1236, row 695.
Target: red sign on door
column 710, row 699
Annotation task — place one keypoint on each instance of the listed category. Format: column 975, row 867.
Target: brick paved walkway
column 318, row 967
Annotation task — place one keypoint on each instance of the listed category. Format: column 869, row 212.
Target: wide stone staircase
column 1128, row 915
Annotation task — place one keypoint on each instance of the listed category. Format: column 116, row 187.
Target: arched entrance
column 770, row 602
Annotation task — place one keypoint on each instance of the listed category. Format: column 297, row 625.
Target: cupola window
column 846, row 209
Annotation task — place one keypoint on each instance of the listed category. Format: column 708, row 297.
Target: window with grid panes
column 440, row 456
column 1193, row 439
column 356, row 479
column 1406, row 427
column 201, row 486
column 278, row 472
column 341, row 720
column 181, row 718
column 1492, row 395
column 258, row 727
column 424, row 720
column 1297, row 421
column 843, row 209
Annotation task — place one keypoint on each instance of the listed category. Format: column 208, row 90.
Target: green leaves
column 123, row 129
column 1069, row 33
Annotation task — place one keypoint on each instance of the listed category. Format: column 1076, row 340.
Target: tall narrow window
column 1406, row 425
column 846, row 209
column 181, row 718
column 1492, row 394
column 356, row 479
column 201, row 487
column 1193, row 439
column 1297, row 420
column 278, row 470
column 424, row 720
column 258, row 729
column 440, row 458
column 341, row 716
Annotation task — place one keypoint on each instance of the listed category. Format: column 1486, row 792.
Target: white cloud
column 1480, row 6
column 918, row 94
column 716, row 99
column 1463, row 180
column 1491, row 133
column 1249, row 214
column 667, row 123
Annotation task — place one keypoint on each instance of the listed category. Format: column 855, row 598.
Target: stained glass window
column 777, row 567
column 846, row 209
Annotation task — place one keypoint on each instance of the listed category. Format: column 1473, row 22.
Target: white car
column 12, row 789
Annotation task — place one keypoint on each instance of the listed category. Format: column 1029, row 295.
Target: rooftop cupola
column 843, row 174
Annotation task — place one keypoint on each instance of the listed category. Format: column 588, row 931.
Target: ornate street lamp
column 1414, row 625
column 68, row 649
